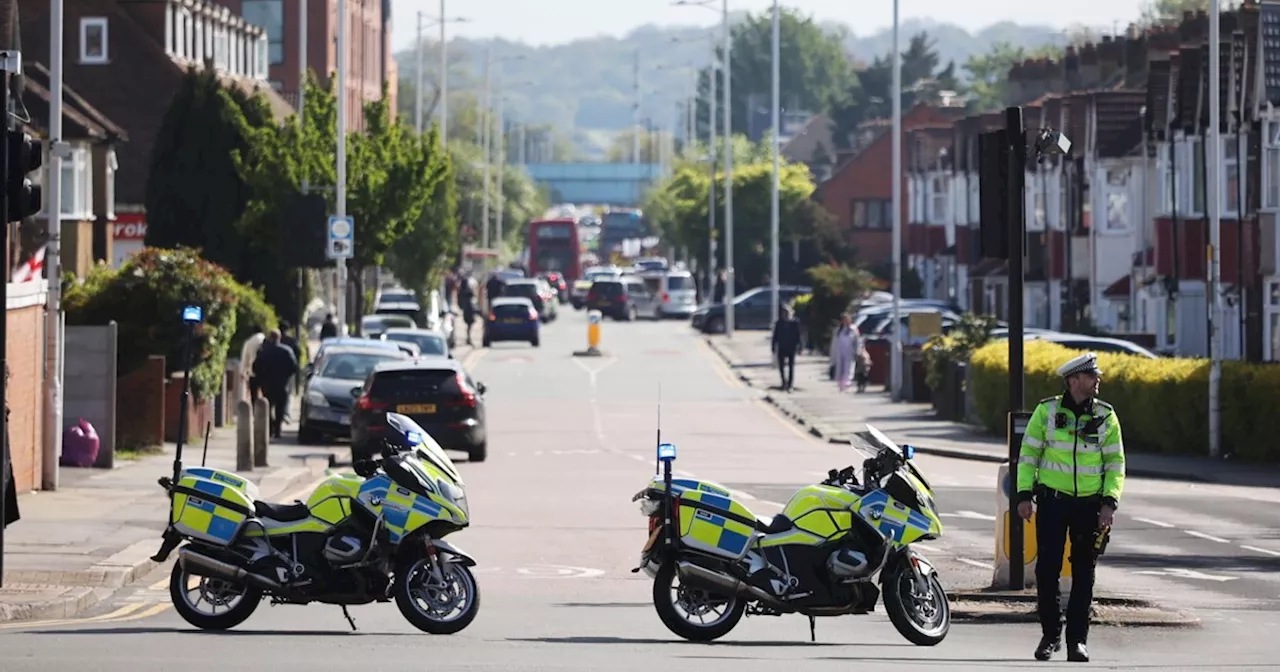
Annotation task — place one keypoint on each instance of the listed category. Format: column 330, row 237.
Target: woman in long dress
column 845, row 343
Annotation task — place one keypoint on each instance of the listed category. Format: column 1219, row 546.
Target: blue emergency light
column 192, row 314
column 667, row 452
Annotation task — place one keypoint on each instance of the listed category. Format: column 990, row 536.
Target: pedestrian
column 273, row 367
column 288, row 341
column 719, row 288
column 862, row 368
column 330, row 327
column 467, row 301
column 493, row 289
column 1072, row 466
column 248, row 352
column 7, row 482
column 786, row 341
column 845, row 343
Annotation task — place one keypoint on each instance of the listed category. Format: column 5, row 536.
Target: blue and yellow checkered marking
column 205, row 519
column 713, row 531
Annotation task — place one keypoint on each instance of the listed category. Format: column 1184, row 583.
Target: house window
column 940, row 189
column 911, row 200
column 77, row 186
column 93, row 39
column 1271, row 166
column 1170, row 322
column 1230, row 176
column 873, row 213
column 221, row 57
column 859, row 214
column 269, row 16
column 1197, row 177
column 1117, row 191
column 1164, row 169
column 975, row 203
column 112, row 166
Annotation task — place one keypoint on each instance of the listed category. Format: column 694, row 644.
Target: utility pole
column 444, row 82
column 730, row 278
column 895, row 342
column 5, row 458
column 1213, row 142
column 711, row 190
column 502, row 162
column 306, row 185
column 487, row 124
column 53, row 318
column 417, row 98
column 341, row 187
column 775, row 148
column 635, row 110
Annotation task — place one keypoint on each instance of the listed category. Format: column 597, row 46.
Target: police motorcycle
column 712, row 560
column 370, row 536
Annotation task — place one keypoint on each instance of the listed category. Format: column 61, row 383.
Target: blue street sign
column 342, row 231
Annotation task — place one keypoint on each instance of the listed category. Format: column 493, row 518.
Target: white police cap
column 1086, row 363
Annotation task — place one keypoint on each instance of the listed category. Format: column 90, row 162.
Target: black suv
column 438, row 394
column 616, row 297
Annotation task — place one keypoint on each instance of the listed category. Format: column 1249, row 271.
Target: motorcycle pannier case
column 713, row 522
column 211, row 505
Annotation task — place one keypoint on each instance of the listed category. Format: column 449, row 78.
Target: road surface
column 556, row 534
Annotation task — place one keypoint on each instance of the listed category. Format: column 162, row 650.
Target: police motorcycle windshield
column 419, row 441
column 906, row 472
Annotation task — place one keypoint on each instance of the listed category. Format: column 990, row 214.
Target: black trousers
column 787, row 369
column 278, row 398
column 1057, row 518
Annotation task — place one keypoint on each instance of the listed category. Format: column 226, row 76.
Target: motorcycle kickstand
column 350, row 620
column 813, row 635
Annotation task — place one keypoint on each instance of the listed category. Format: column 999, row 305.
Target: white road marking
column 926, row 548
column 1153, row 522
column 592, row 373
column 1183, row 573
column 1210, row 537
column 976, row 563
column 1255, row 549
column 559, row 572
column 971, row 515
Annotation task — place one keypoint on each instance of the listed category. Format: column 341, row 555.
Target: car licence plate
column 416, row 408
column 344, row 419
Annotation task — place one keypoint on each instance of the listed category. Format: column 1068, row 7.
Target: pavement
column 816, row 404
column 555, row 534
column 77, row 546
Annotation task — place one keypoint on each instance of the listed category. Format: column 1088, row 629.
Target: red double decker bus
column 555, row 247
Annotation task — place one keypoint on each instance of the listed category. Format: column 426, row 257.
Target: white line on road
column 971, row 515
column 592, row 373
column 1255, row 549
column 976, row 563
column 1210, row 537
column 1153, row 522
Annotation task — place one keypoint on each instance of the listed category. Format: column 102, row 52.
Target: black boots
column 1048, row 646
column 1077, row 653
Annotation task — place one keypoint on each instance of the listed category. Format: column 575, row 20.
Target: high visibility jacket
column 1080, row 455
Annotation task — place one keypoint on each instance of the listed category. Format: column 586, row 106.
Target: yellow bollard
column 593, row 330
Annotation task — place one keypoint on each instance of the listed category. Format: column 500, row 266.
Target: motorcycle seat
column 774, row 525
column 284, row 513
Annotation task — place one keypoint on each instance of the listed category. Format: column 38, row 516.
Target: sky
column 549, row 22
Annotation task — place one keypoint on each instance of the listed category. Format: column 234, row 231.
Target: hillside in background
column 585, row 89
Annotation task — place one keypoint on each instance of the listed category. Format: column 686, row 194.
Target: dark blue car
column 511, row 318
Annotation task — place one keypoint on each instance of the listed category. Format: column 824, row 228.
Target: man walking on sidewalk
column 1072, row 465
column 274, row 366
column 786, row 341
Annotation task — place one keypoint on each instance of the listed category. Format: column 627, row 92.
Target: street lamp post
column 1214, row 198
column 341, row 186
column 895, row 357
column 444, row 73
column 774, row 215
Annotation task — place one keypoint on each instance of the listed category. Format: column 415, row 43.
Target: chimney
column 1090, row 73
column 1136, row 49
column 1071, row 68
column 1013, row 85
column 1110, row 57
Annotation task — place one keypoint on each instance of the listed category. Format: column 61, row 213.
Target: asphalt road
column 556, row 534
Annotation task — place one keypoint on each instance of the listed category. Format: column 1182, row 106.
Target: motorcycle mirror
column 833, row 475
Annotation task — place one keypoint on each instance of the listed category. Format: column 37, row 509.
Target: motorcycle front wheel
column 693, row 613
column 439, row 606
column 924, row 619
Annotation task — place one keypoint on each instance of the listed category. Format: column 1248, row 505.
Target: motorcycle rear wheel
column 676, row 605
column 924, row 620
column 240, row 600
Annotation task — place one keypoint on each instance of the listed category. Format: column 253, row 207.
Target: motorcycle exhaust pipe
column 729, row 585
column 199, row 563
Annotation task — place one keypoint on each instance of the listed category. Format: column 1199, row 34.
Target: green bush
column 1162, row 403
column 941, row 351
column 145, row 297
column 252, row 310
column 835, row 288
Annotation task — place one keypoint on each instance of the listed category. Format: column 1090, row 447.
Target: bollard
column 261, row 431
column 1007, row 479
column 244, row 436
column 593, row 335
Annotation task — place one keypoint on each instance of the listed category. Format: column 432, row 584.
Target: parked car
column 750, row 309
column 436, row 393
column 428, row 343
column 329, row 344
column 398, row 301
column 619, row 298
column 328, row 399
column 511, row 319
column 578, row 294
column 1096, row 344
column 372, row 326
column 533, row 291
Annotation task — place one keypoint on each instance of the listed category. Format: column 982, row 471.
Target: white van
column 672, row 294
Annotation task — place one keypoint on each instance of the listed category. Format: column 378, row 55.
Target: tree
column 1165, row 11
column 651, row 142
column 417, row 259
column 813, row 67
column 923, row 78
column 989, row 73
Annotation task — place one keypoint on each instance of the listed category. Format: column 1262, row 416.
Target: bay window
column 1230, row 176
column 975, row 206
column 77, row 185
column 1271, row 166
column 939, row 192
column 1195, row 176
column 1117, row 200
column 911, row 200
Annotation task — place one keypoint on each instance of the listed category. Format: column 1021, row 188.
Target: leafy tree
column 1164, row 11
column 923, row 78
column 813, row 67
column 989, row 73
column 418, row 259
column 650, row 146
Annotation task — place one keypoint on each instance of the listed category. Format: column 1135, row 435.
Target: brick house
column 370, row 57
column 129, row 58
column 859, row 194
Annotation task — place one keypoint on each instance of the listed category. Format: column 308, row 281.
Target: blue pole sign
column 667, row 452
column 192, row 314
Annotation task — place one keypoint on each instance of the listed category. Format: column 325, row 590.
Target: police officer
column 1072, row 465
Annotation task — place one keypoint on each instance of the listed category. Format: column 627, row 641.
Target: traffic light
column 26, row 155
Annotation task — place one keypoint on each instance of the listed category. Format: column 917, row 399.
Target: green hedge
column 145, row 297
column 252, row 310
column 1162, row 403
